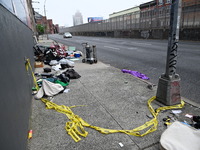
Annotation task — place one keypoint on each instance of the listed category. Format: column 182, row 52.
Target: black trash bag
column 196, row 119
column 47, row 70
column 64, row 78
column 72, row 74
column 37, row 50
column 49, row 54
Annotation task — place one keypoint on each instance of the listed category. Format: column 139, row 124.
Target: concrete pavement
column 113, row 100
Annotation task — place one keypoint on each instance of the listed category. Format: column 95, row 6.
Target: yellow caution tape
column 75, row 127
column 28, row 66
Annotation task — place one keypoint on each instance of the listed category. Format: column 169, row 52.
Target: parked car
column 67, row 35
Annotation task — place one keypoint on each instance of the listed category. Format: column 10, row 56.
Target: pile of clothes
column 54, row 52
column 52, row 84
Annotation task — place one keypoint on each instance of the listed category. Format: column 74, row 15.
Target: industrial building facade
column 151, row 21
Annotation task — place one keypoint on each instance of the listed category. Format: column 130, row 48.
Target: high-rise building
column 77, row 18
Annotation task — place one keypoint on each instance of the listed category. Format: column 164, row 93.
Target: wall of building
column 150, row 22
column 16, row 44
column 123, row 12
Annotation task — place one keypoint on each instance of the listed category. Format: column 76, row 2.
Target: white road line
column 141, row 43
column 96, row 39
column 112, row 47
column 147, row 43
column 132, row 48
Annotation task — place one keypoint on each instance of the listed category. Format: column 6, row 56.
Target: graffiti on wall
column 145, row 34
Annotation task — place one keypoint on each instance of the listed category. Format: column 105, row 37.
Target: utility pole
column 46, row 20
column 168, row 91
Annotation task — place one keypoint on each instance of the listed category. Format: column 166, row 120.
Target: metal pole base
column 168, row 92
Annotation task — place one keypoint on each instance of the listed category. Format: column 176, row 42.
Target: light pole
column 35, row 2
column 46, row 20
column 168, row 91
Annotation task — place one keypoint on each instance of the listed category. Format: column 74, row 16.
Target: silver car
column 67, row 35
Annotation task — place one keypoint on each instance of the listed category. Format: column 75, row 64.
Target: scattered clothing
column 66, row 90
column 136, row 73
column 64, row 78
column 72, row 74
column 64, row 66
column 53, row 62
column 55, row 80
column 56, row 67
column 62, row 83
column 67, row 62
column 49, row 89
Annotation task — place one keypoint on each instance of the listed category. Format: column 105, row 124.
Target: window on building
column 168, row 1
column 160, row 2
column 18, row 8
column 7, row 4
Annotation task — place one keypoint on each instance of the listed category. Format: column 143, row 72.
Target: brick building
column 48, row 23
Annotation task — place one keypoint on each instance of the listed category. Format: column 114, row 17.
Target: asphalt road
column 147, row 57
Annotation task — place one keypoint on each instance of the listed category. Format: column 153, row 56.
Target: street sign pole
column 168, row 91
column 46, row 20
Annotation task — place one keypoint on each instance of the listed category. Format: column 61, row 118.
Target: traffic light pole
column 168, row 91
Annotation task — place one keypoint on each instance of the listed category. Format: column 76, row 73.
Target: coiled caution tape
column 75, row 127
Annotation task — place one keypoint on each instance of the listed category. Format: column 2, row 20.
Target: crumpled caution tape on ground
column 75, row 127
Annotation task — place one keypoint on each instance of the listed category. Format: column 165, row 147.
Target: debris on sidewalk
column 53, row 53
column 180, row 136
column 189, row 116
column 57, row 57
column 77, row 122
column 196, row 120
column 38, row 64
column 67, row 62
column 151, row 86
column 47, row 70
column 66, row 90
column 30, row 134
column 77, row 127
column 72, row 74
column 136, row 74
column 48, row 88
column 176, row 111
column 167, row 121
column 149, row 116
column 121, row 145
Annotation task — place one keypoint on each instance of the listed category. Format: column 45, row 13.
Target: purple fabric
column 136, row 73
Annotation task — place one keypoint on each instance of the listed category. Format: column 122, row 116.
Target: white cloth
column 180, row 137
column 56, row 67
column 48, row 88
column 66, row 61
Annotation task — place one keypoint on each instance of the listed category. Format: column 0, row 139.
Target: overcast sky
column 61, row 11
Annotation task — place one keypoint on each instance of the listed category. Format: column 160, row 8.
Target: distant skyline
column 77, row 18
column 62, row 11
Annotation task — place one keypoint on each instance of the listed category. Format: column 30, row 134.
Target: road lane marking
column 132, row 48
column 112, row 47
column 141, row 43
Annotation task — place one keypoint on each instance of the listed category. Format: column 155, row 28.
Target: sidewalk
column 113, row 100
